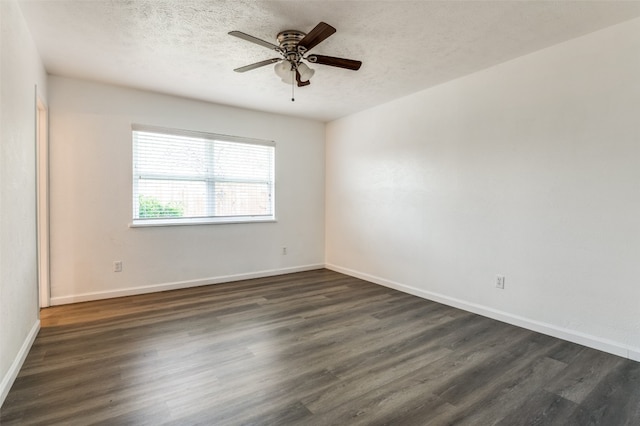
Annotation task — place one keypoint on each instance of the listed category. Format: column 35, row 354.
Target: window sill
column 146, row 223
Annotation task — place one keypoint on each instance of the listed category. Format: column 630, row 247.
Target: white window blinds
column 181, row 176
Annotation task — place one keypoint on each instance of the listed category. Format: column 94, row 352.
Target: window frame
column 209, row 180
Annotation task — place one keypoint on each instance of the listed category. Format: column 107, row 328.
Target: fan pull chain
column 293, row 99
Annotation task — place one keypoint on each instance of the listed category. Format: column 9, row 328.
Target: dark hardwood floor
column 313, row 348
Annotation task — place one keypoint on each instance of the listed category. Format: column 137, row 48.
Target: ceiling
column 181, row 47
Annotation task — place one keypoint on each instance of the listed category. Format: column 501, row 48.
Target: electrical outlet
column 284, row 250
column 117, row 266
column 500, row 282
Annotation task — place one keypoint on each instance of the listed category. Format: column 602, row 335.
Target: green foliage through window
column 151, row 207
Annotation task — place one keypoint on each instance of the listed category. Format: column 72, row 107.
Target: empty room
column 319, row 212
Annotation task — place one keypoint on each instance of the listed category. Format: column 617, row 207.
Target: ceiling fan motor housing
column 288, row 41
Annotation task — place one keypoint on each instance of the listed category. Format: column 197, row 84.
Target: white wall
column 91, row 202
column 530, row 169
column 20, row 71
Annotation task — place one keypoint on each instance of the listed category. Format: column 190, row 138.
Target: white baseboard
column 16, row 365
column 604, row 345
column 131, row 291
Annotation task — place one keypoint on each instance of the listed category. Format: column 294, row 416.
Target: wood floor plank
column 510, row 393
column 583, row 375
column 310, row 348
column 540, row 408
column 614, row 398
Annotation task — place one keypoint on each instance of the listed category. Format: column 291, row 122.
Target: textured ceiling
column 181, row 47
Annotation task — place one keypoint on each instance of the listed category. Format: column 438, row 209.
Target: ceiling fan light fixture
column 305, row 72
column 284, row 70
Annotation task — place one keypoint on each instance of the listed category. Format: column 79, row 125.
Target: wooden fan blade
column 349, row 64
column 253, row 39
column 300, row 82
column 258, row 65
column 317, row 35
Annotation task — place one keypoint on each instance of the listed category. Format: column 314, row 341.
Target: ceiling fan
column 293, row 47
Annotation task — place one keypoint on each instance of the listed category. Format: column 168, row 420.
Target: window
column 184, row 177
